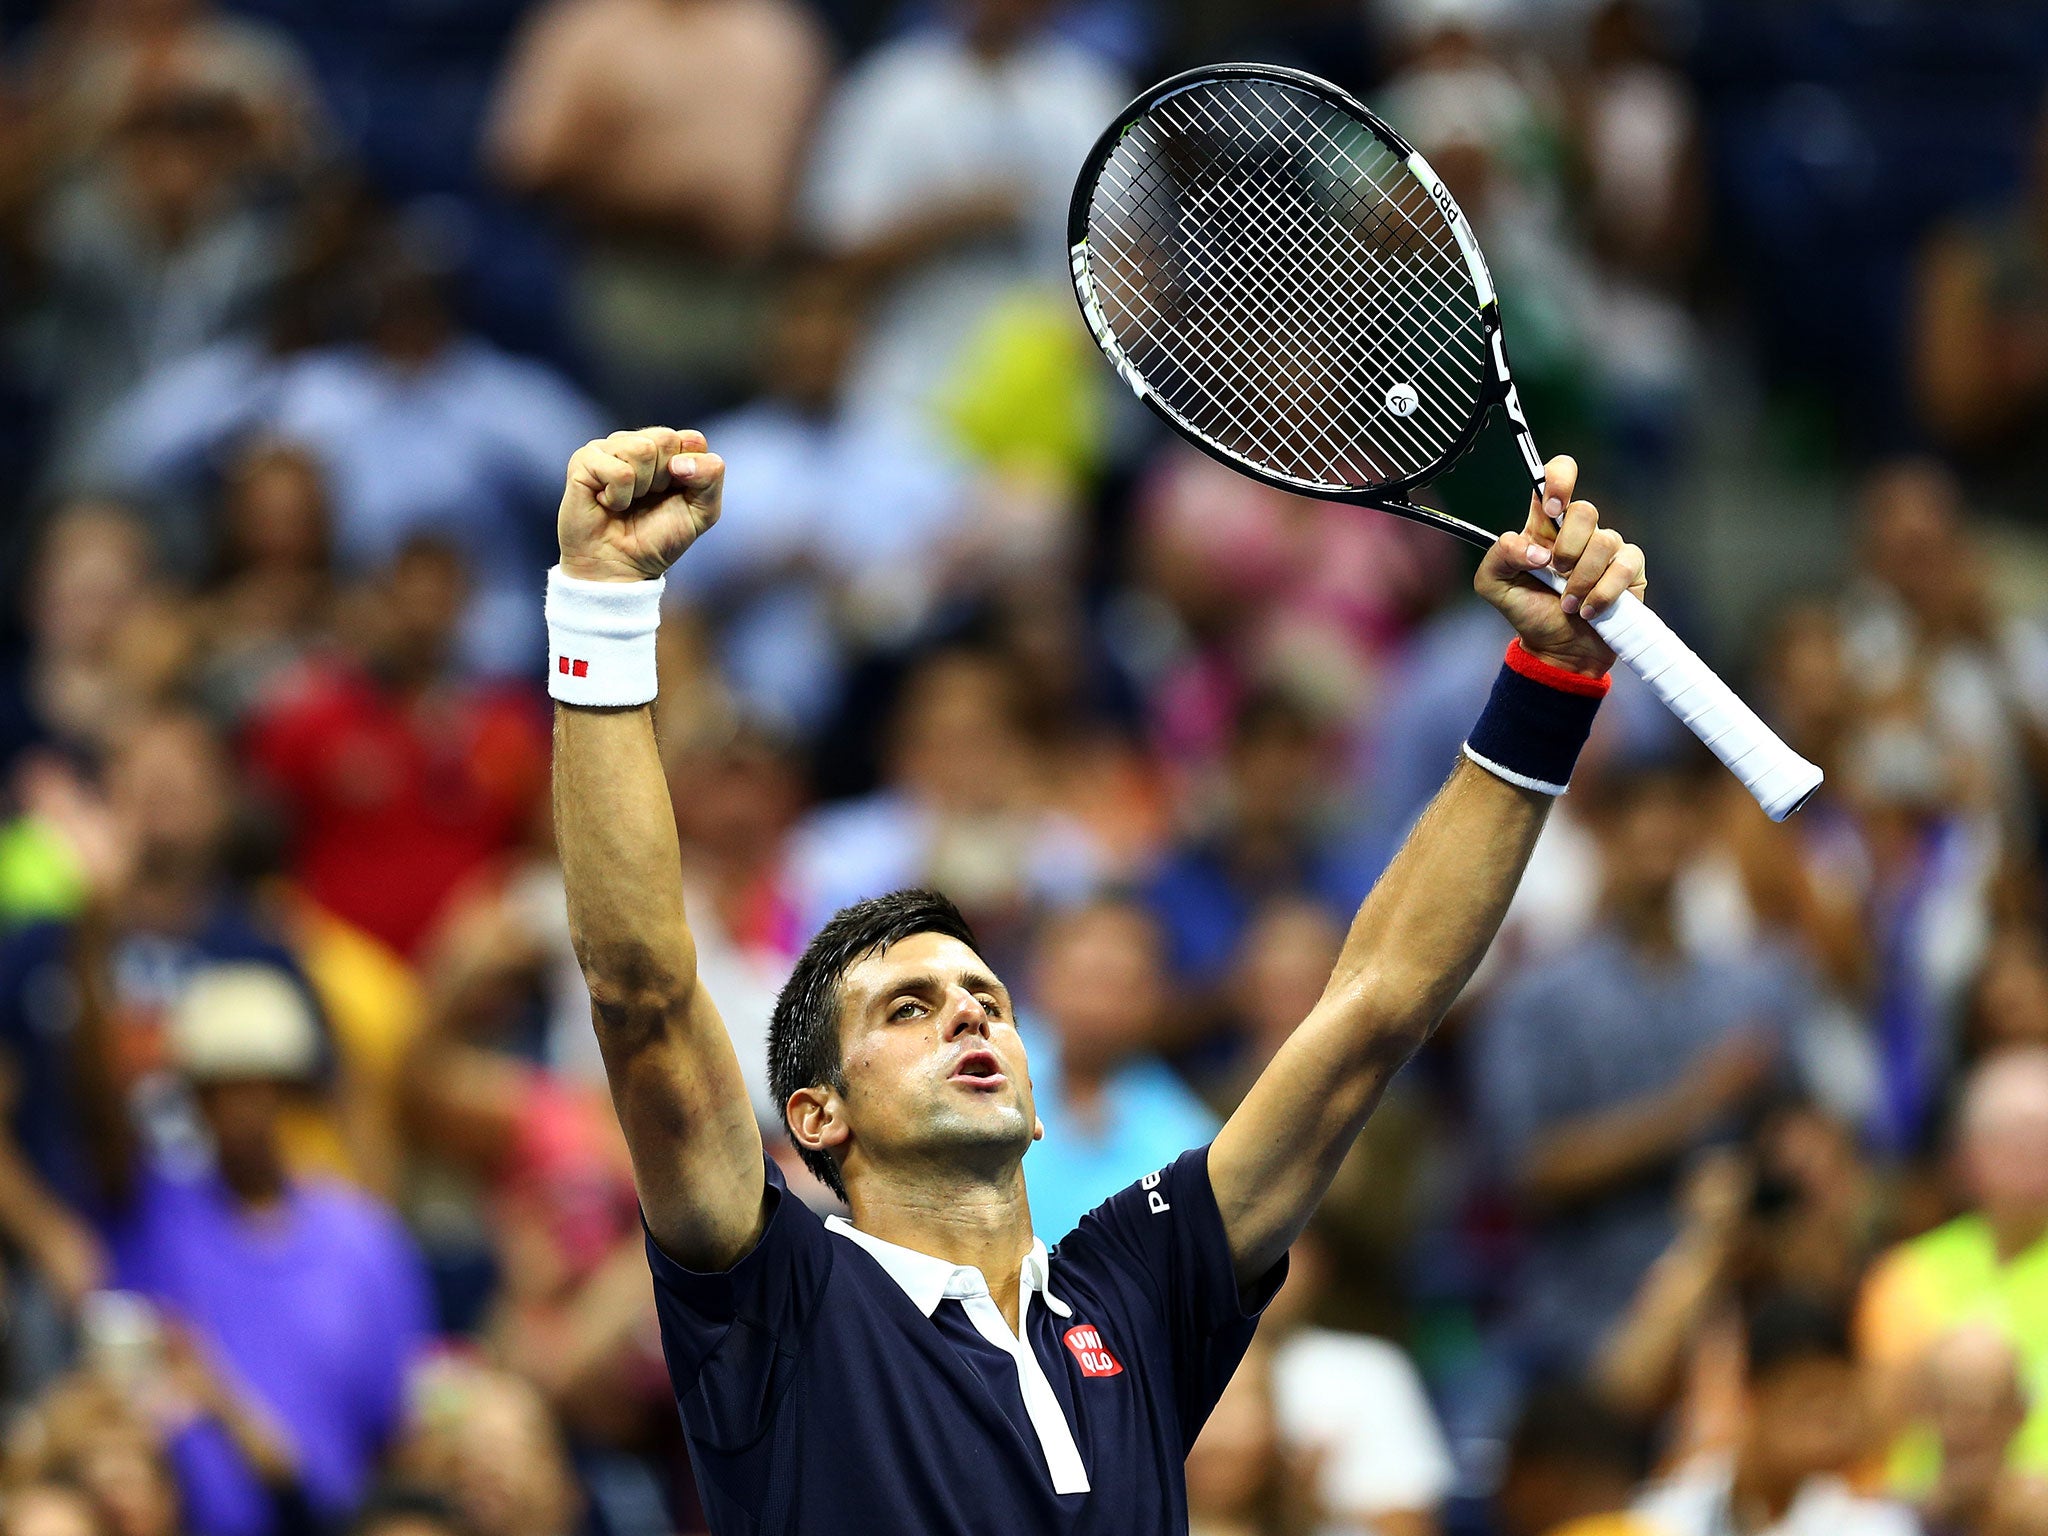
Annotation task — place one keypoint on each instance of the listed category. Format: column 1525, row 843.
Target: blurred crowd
column 1718, row 1206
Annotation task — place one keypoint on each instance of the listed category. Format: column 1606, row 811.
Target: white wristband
column 601, row 639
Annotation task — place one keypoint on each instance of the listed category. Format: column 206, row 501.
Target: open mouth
column 978, row 1069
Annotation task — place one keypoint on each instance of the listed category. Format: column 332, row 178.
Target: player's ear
column 815, row 1119
column 1037, row 1129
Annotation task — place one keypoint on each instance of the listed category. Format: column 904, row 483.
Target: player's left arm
column 1429, row 920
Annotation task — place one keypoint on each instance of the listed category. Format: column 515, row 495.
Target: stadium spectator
column 569, row 1313
column 313, row 1294
column 808, row 574
column 2019, row 1506
column 1352, row 1409
column 2009, row 999
column 159, row 250
column 1980, row 332
column 1796, row 1211
column 1808, row 1428
column 962, row 808
column 1486, row 116
column 1635, row 125
column 736, row 799
column 1241, row 1479
column 1633, row 119
column 1266, row 833
column 1113, row 1111
column 1990, row 1262
column 1806, row 878
column 484, row 1442
column 49, row 1509
column 1369, row 1218
column 155, row 894
column 1921, row 622
column 1928, row 867
column 92, row 64
column 944, row 163
column 94, row 1432
column 1973, row 1403
column 420, row 428
column 1270, row 591
column 268, row 600
column 91, row 575
column 400, row 1511
column 397, row 780
column 683, row 193
column 1572, row 1465
column 1600, row 1071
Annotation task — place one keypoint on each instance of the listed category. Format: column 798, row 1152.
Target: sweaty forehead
column 937, row 955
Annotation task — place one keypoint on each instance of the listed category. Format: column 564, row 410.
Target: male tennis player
column 929, row 1368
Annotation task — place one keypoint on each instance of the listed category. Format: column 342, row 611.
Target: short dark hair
column 803, row 1031
column 1789, row 1326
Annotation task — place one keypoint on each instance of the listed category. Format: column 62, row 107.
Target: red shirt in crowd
column 395, row 799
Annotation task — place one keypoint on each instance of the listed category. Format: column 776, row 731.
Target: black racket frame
column 1390, row 496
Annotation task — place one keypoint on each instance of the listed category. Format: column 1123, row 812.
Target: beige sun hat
column 244, row 1021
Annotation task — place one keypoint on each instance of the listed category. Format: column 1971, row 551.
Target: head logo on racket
column 1403, row 399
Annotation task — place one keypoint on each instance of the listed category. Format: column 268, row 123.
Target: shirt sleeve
column 731, row 1337
column 1166, row 1233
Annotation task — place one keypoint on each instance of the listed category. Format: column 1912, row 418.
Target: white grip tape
column 601, row 640
column 1780, row 778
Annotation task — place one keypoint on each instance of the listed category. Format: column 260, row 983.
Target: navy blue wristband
column 1536, row 722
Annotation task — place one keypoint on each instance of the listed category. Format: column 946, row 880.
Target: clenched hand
column 635, row 501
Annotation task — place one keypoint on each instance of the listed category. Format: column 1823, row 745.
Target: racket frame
column 1778, row 777
column 1499, row 390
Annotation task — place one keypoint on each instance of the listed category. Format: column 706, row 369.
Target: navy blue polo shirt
column 818, row 1394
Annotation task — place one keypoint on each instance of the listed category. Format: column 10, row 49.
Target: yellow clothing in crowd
column 1922, row 1290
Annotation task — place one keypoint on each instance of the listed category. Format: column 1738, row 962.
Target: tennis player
column 929, row 1368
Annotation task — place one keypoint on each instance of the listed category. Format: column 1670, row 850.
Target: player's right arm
column 633, row 503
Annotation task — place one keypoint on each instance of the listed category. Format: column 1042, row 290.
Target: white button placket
column 927, row 1281
column 1055, row 1436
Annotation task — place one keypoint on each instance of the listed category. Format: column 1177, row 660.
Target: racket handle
column 1780, row 778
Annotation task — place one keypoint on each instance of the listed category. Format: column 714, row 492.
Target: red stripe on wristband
column 1537, row 670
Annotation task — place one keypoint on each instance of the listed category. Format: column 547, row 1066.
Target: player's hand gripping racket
column 1285, row 281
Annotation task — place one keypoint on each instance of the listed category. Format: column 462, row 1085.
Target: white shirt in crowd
column 925, row 124
column 1358, row 1402
column 1696, row 1503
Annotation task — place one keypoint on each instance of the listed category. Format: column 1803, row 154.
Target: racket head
column 1284, row 280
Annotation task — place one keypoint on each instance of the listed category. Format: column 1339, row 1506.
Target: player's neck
column 985, row 1223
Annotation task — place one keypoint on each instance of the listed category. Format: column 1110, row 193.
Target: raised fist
column 635, row 501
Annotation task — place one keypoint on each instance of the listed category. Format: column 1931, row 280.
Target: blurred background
column 1719, row 1204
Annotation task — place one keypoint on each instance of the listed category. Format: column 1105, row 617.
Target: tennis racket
column 1284, row 280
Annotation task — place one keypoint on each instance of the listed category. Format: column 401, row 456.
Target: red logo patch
column 572, row 668
column 1085, row 1344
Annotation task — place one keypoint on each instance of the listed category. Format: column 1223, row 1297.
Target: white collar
column 927, row 1281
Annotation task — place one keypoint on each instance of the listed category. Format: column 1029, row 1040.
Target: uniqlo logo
column 570, row 668
column 1085, row 1344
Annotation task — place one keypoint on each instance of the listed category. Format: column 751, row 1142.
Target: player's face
column 935, row 1071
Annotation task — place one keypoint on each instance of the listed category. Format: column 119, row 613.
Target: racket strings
column 1280, row 281
column 1216, row 282
column 1359, row 307
column 1283, row 222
